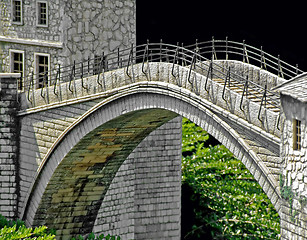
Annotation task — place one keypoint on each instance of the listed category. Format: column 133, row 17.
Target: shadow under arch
column 77, row 171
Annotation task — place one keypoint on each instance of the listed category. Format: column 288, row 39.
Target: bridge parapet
column 251, row 72
column 254, row 112
column 227, row 49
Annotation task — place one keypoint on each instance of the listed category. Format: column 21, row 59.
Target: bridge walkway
column 252, row 94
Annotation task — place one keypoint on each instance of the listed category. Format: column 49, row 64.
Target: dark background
column 279, row 27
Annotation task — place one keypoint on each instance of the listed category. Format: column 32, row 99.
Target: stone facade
column 9, row 172
column 293, row 173
column 75, row 30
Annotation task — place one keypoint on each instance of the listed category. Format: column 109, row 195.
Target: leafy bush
column 229, row 203
column 17, row 230
column 10, row 230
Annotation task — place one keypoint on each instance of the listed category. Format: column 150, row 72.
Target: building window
column 42, row 66
column 17, row 11
column 297, row 137
column 42, row 13
column 17, row 66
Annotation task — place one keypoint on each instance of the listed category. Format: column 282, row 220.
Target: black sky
column 278, row 27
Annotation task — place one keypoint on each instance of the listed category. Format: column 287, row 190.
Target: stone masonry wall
column 293, row 173
column 76, row 31
column 37, row 134
column 94, row 27
column 144, row 200
column 28, row 29
column 8, row 148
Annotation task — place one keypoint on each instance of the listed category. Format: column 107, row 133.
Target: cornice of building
column 33, row 42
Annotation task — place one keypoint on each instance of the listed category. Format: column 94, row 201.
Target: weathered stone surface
column 140, row 196
column 9, row 167
column 293, row 168
column 76, row 30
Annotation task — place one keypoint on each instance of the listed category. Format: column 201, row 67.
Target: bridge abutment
column 293, row 173
column 8, row 145
column 144, row 199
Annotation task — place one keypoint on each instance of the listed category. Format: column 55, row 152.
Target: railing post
column 191, row 67
column 145, row 56
column 72, row 77
column 227, row 79
column 196, row 46
column 263, row 99
column 160, row 50
column 245, row 89
column 245, row 55
column 210, row 71
column 88, row 65
column 45, row 86
column 280, row 73
column 118, row 65
column 226, row 47
column 102, row 69
column 130, row 60
column 55, row 82
column 213, row 50
column 184, row 62
column 262, row 63
column 31, row 85
column 82, row 82
column 174, row 61
column 42, row 88
column 58, row 79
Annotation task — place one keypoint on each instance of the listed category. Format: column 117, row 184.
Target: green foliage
column 288, row 195
column 231, row 204
column 10, row 230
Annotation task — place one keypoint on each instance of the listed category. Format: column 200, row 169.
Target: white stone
column 293, row 175
column 301, row 187
column 114, row 45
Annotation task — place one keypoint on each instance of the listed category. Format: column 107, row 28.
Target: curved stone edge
column 258, row 170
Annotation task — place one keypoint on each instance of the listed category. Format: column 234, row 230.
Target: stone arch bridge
column 98, row 148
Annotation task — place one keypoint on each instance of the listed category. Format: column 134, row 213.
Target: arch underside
column 75, row 192
column 71, row 186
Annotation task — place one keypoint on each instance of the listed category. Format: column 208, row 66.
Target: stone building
column 40, row 35
column 293, row 175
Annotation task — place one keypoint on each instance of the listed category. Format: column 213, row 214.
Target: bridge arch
column 87, row 155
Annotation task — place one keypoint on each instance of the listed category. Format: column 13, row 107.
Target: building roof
column 296, row 87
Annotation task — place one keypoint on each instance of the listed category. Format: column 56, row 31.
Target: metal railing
column 225, row 49
column 193, row 57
